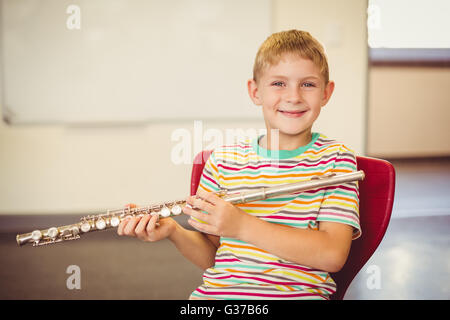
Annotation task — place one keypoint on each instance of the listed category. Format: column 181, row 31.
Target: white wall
column 409, row 112
column 57, row 169
column 129, row 61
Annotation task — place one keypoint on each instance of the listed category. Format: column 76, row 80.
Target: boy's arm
column 324, row 249
column 195, row 246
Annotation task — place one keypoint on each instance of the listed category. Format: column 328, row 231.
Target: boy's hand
column 146, row 228
column 222, row 218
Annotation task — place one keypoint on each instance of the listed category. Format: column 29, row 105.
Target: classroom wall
column 88, row 169
column 409, row 112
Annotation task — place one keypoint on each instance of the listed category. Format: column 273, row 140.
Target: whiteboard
column 116, row 61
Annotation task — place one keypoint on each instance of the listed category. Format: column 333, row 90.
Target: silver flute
column 112, row 218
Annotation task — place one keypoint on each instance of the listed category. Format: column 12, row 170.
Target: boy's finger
column 152, row 223
column 142, row 224
column 210, row 197
column 202, row 204
column 131, row 225
column 121, row 226
column 204, row 217
column 202, row 227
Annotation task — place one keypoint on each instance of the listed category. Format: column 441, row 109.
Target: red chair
column 376, row 194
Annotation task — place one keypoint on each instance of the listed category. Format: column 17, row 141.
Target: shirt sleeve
column 209, row 180
column 341, row 203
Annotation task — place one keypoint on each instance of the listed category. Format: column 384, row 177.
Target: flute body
column 112, row 218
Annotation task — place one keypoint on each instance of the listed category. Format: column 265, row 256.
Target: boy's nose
column 294, row 96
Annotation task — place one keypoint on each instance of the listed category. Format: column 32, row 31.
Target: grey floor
column 412, row 262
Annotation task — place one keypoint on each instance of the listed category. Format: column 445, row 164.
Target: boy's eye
column 306, row 84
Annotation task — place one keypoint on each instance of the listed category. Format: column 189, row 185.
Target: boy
column 284, row 247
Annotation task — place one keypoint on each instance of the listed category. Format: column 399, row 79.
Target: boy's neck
column 285, row 142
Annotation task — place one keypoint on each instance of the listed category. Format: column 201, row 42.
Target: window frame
column 427, row 57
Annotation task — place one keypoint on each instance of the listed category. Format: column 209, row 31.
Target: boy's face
column 291, row 94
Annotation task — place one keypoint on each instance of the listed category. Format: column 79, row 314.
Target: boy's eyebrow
column 284, row 77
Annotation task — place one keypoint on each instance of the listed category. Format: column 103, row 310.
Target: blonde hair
column 291, row 41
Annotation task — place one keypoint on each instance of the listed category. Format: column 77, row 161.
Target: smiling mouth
column 292, row 114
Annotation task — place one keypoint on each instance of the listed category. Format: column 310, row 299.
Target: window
column 412, row 32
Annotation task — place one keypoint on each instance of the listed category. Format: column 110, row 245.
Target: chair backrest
column 376, row 194
column 376, row 198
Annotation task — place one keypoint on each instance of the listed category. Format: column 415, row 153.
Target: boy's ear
column 327, row 92
column 253, row 91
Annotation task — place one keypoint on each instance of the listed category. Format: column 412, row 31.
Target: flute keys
column 75, row 231
column 85, row 227
column 52, row 232
column 70, row 232
column 100, row 224
column 176, row 210
column 36, row 235
column 165, row 212
column 115, row 221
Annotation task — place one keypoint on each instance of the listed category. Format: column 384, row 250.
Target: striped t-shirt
column 244, row 271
